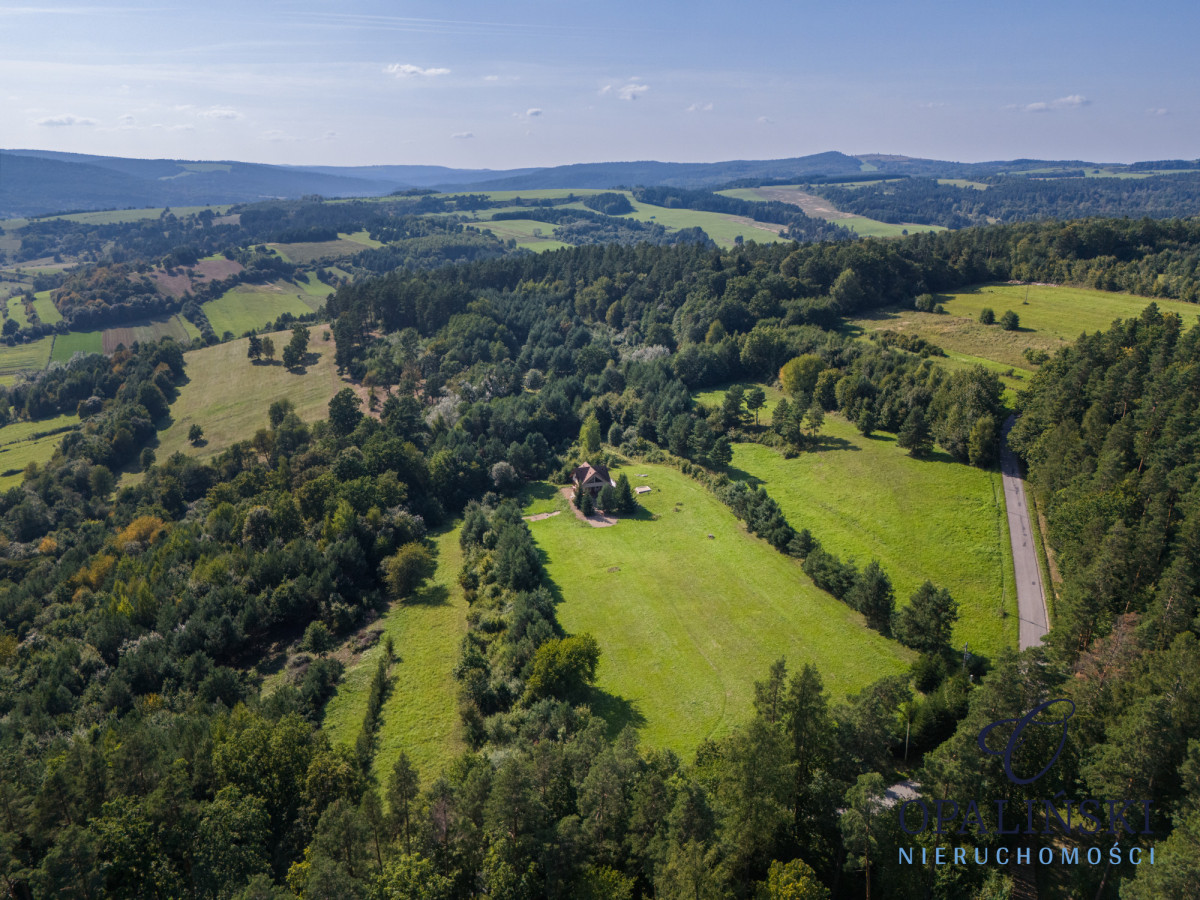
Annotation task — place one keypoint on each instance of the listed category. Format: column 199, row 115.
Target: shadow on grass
column 538, row 490
column 827, row 442
column 737, row 474
column 616, row 711
column 430, row 595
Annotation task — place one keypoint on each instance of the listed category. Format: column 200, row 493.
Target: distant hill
column 35, row 182
column 38, row 182
column 693, row 175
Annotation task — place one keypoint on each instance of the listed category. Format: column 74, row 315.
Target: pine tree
column 914, row 435
column 625, row 501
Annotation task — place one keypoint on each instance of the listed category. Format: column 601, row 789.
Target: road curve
column 1031, row 596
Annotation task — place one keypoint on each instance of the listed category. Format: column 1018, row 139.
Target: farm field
column 30, row 357
column 721, row 228
column 20, row 445
column 528, row 233
column 228, row 396
column 686, row 623
column 938, row 519
column 121, row 216
column 1052, row 319
column 253, row 306
column 46, row 309
column 67, row 345
column 309, row 251
column 176, row 327
column 820, row 208
column 420, row 715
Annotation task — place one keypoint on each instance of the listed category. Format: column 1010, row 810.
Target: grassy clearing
column 228, row 396
column 866, row 498
column 527, row 233
column 67, row 345
column 24, row 442
column 420, row 716
column 1052, row 318
column 686, row 623
column 45, row 308
column 310, row 251
column 253, row 306
column 16, row 311
column 964, row 182
column 713, row 398
column 29, row 357
column 820, row 208
column 721, row 228
column 176, row 327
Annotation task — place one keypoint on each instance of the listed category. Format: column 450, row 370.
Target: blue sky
column 498, row 85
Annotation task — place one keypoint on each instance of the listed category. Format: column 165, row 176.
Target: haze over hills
column 39, row 182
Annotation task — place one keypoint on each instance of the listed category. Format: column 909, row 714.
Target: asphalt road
column 1031, row 596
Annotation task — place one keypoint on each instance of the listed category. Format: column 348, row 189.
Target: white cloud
column 765, row 120
column 408, row 70
column 279, row 137
column 126, row 121
column 931, row 105
column 491, row 77
column 329, row 135
column 65, row 121
column 220, row 112
column 1157, row 111
column 699, row 107
column 1072, row 101
column 630, row 90
column 463, row 135
column 532, row 111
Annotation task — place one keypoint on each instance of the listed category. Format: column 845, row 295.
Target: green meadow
column 420, row 715
column 721, row 228
column 865, row 498
column 1051, row 317
column 67, row 345
column 228, row 396
column 253, row 306
column 689, row 610
column 31, row 357
column 24, row 442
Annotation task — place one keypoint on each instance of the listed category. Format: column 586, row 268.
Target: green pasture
column 16, row 310
column 420, row 715
column 689, row 610
column 865, row 498
column 67, row 345
column 721, row 228
column 46, row 309
column 861, row 225
column 122, row 216
column 1051, row 318
column 228, row 396
column 24, row 442
column 713, row 398
column 252, row 306
column 527, row 233
column 30, row 357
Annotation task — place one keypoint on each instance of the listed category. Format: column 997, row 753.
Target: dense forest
column 142, row 759
column 1017, row 198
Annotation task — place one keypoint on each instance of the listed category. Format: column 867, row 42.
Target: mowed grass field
column 528, row 233
column 713, row 398
column 309, row 251
column 253, row 306
column 687, row 622
column 935, row 518
column 820, row 208
column 420, row 716
column 721, row 228
column 67, row 345
column 1052, row 318
column 176, row 327
column 46, row 309
column 30, row 357
column 19, row 446
column 228, row 396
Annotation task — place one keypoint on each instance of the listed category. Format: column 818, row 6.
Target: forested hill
column 1015, row 198
column 140, row 757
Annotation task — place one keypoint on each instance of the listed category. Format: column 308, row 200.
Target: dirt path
column 541, row 516
column 1031, row 596
column 596, row 520
column 811, row 204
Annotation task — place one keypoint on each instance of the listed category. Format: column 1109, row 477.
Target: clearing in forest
column 420, row 715
column 690, row 610
column 933, row 518
column 228, row 396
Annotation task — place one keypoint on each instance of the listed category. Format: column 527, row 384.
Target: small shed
column 642, row 489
